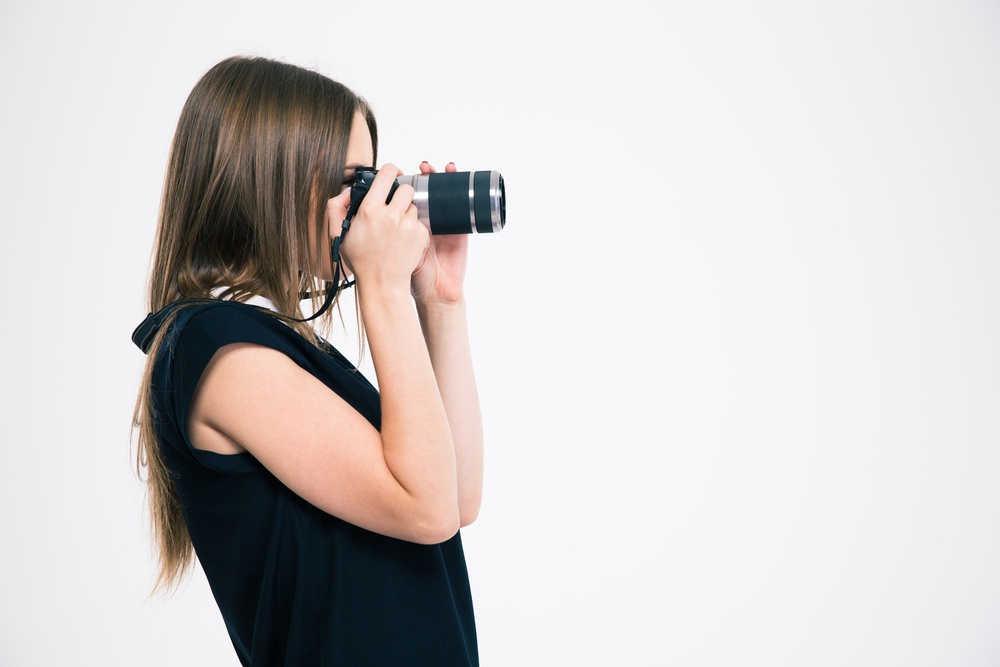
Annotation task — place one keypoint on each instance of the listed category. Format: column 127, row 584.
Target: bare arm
column 256, row 399
column 437, row 287
column 446, row 332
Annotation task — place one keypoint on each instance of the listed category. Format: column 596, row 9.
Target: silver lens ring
column 496, row 201
column 472, row 202
column 420, row 195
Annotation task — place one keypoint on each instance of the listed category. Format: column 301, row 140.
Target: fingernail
column 451, row 163
column 425, row 162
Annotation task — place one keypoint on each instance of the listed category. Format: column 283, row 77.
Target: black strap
column 358, row 191
column 338, row 267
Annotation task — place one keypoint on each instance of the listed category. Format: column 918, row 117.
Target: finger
column 382, row 183
column 402, row 198
column 412, row 213
column 426, row 167
column 450, row 167
column 336, row 211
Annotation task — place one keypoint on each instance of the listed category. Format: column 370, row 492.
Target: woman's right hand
column 386, row 242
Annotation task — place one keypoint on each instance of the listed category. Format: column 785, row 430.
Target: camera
column 457, row 202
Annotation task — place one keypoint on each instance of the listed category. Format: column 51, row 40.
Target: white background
column 737, row 346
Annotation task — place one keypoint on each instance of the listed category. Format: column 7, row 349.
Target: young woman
column 324, row 513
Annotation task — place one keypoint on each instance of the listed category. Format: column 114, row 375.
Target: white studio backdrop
column 737, row 346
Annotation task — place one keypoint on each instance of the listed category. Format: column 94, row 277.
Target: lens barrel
column 457, row 202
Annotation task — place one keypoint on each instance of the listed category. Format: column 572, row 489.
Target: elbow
column 436, row 527
column 436, row 521
column 442, row 525
column 468, row 510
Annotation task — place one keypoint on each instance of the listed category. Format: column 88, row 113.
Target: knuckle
column 406, row 190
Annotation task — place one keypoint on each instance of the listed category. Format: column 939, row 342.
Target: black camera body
column 457, row 202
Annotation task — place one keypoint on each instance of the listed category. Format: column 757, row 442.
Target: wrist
column 381, row 294
column 430, row 306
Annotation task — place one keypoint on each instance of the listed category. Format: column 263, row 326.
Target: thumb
column 336, row 211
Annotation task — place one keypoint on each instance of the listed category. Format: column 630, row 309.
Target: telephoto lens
column 457, row 202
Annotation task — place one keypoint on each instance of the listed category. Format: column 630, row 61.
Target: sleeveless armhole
column 197, row 334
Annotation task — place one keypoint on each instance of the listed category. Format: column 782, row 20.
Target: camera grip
column 363, row 178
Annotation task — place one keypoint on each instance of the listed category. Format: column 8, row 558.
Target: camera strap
column 358, row 192
column 338, row 265
column 338, row 273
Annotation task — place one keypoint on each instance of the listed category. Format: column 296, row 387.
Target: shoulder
column 200, row 330
column 208, row 327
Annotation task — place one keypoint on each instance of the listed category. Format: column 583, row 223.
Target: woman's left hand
column 440, row 275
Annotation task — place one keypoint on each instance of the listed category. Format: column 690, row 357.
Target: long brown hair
column 258, row 144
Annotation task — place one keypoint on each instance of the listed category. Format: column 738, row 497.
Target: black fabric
column 295, row 585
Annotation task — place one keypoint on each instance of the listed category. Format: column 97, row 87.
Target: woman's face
column 359, row 154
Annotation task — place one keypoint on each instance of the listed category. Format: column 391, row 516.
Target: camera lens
column 459, row 202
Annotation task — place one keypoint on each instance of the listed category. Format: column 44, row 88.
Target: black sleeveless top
column 295, row 585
